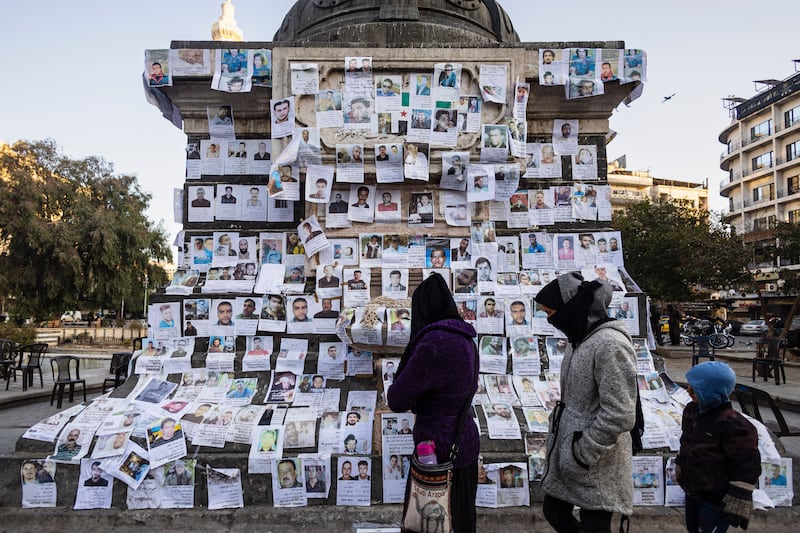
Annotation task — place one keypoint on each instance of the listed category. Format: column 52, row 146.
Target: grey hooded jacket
column 589, row 445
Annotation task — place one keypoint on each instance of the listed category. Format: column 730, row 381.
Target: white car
column 753, row 327
column 71, row 316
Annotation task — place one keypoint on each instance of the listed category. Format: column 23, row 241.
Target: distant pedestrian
column 655, row 322
column 674, row 315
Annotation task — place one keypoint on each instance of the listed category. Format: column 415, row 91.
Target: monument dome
column 403, row 23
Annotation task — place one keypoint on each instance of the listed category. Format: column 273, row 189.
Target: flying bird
column 668, row 97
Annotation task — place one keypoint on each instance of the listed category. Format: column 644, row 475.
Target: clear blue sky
column 73, row 73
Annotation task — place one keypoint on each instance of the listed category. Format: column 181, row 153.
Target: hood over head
column 712, row 382
column 580, row 305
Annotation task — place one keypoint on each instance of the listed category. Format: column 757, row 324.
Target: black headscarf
column 578, row 316
column 431, row 302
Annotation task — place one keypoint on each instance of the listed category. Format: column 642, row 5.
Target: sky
column 74, row 75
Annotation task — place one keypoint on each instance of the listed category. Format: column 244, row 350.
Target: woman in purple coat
column 437, row 375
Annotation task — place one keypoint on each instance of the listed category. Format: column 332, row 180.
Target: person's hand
column 737, row 504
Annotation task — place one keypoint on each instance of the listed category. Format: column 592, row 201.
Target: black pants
column 462, row 498
column 674, row 334
column 559, row 514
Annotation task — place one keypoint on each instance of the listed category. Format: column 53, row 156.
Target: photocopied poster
column 157, row 68
column 493, row 82
column 224, row 488
column 648, row 480
column 776, row 481
column 305, row 78
column 288, row 483
column 353, row 484
column 38, row 477
column 94, row 486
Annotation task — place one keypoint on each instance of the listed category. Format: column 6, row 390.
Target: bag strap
column 463, row 415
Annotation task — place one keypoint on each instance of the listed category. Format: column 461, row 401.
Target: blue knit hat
column 712, row 382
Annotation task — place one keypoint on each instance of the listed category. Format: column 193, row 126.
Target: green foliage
column 75, row 234
column 18, row 334
column 670, row 248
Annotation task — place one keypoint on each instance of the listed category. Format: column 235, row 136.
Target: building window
column 762, row 161
column 793, row 184
column 793, row 150
column 763, row 223
column 761, row 130
column 762, row 193
column 791, row 117
column 794, row 216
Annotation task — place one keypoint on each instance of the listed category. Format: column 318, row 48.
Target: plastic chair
column 770, row 355
column 118, row 372
column 62, row 376
column 7, row 359
column 26, row 366
column 702, row 348
column 749, row 399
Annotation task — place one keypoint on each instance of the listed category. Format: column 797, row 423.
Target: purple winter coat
column 439, row 377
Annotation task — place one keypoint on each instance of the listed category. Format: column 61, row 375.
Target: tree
column 671, row 248
column 776, row 250
column 72, row 234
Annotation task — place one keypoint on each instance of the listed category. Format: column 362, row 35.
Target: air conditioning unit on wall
column 771, row 287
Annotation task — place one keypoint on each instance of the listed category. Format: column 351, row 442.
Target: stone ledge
column 263, row 519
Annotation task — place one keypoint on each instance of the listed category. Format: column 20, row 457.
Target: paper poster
column 674, row 495
column 329, row 109
column 95, row 487
column 288, row 483
column 421, row 209
column 648, row 480
column 776, row 481
column 224, row 488
column 317, row 470
column 73, row 443
column 389, row 163
column 304, row 78
column 48, row 429
column 157, row 68
column 493, row 82
column 552, row 66
column 38, row 483
column 362, row 203
column 495, row 143
column 524, row 360
column 282, row 117
column 584, row 164
column 190, row 62
column 165, row 441
column 501, row 421
column 312, row 236
column 565, row 137
column 415, row 163
column 232, row 73
column 220, row 123
column 512, row 484
column 131, row 467
column 266, row 445
column 353, row 486
column 358, row 106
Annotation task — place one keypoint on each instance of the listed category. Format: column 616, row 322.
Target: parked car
column 754, row 327
column 71, row 316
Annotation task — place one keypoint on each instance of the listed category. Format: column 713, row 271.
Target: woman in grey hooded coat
column 589, row 443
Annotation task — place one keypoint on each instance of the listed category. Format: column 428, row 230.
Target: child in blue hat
column 718, row 463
